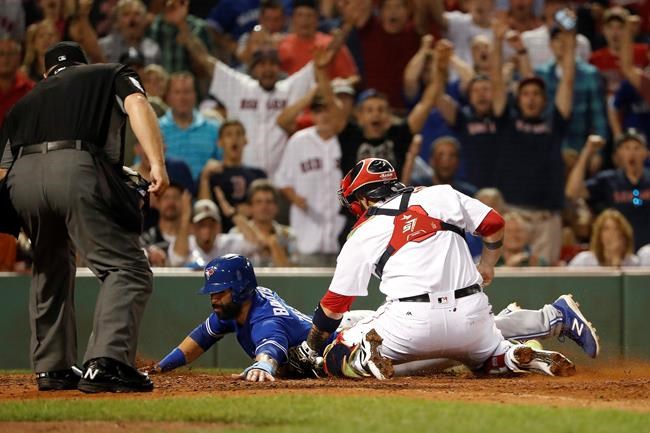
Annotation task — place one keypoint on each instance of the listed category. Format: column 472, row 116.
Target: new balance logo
column 577, row 327
column 91, row 373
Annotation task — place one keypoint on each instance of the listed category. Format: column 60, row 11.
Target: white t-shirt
column 311, row 166
column 223, row 244
column 258, row 110
column 644, row 255
column 461, row 29
column 441, row 263
column 537, row 42
column 588, row 258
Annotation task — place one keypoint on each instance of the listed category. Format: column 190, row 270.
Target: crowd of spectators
column 540, row 109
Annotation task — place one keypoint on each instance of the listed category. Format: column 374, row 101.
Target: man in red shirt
column 13, row 84
column 297, row 48
column 388, row 42
column 607, row 59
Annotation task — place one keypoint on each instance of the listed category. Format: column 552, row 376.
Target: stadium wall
column 616, row 301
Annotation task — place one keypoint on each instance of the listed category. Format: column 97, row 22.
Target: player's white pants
column 411, row 331
column 517, row 324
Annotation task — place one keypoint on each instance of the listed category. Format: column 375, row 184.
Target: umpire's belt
column 460, row 293
column 51, row 146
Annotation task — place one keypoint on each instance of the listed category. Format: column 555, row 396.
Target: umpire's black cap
column 65, row 53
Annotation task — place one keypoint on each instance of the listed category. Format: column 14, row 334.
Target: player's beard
column 228, row 311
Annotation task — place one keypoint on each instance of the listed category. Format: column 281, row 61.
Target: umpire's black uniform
column 66, row 139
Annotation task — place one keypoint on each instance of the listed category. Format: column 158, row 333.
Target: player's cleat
column 57, row 380
column 109, row 375
column 576, row 327
column 366, row 357
column 511, row 308
column 527, row 359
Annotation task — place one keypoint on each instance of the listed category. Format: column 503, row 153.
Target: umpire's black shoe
column 57, row 380
column 109, row 375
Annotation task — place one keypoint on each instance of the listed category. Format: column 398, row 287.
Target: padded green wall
column 616, row 302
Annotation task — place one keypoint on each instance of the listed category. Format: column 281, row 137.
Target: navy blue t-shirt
column 612, row 189
column 392, row 146
column 530, row 170
column 179, row 172
column 479, row 139
column 234, row 182
column 634, row 109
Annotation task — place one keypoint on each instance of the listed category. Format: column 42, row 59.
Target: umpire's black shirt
column 82, row 102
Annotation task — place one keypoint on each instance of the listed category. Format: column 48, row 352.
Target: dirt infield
column 626, row 387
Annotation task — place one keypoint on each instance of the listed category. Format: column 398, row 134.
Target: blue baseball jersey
column 272, row 327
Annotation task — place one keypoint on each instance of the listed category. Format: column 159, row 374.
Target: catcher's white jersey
column 445, row 327
column 311, row 166
column 258, row 110
column 441, row 263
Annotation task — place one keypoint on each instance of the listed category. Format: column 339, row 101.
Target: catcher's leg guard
column 521, row 359
column 358, row 361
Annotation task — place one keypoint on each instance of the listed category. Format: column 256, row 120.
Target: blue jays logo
column 209, row 271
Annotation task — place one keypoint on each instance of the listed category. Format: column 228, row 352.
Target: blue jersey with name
column 272, row 327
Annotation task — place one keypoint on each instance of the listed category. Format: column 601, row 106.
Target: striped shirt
column 195, row 144
column 175, row 57
column 588, row 109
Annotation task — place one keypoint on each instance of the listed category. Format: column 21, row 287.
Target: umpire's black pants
column 57, row 196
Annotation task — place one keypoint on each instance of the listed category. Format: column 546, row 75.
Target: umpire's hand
column 159, row 180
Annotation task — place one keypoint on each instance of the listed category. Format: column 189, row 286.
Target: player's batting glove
column 260, row 371
column 306, row 360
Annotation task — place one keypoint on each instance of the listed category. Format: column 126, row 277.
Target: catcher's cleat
column 576, row 326
column 369, row 359
column 109, row 375
column 527, row 359
column 57, row 380
column 512, row 307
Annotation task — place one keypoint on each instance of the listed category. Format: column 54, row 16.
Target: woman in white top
column 611, row 244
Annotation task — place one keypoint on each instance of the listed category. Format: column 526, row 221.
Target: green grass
column 308, row 413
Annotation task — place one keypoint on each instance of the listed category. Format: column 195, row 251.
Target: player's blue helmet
column 231, row 271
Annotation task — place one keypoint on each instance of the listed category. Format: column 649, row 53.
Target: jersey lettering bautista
column 272, row 327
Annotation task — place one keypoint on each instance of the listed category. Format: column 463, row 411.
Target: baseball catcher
column 413, row 240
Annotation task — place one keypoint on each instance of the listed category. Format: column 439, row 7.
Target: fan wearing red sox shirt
column 309, row 173
column 258, row 100
column 412, row 239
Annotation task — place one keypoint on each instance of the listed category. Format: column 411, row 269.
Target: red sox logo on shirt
column 532, row 128
column 311, row 164
column 271, row 104
column 483, row 127
column 629, row 196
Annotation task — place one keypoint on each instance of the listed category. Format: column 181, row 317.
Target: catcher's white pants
column 462, row 330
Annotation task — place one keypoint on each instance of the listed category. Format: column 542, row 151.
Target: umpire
column 65, row 140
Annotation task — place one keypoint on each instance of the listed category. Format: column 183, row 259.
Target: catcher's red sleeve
column 337, row 303
column 492, row 223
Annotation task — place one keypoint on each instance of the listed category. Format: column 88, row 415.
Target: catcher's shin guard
column 361, row 360
column 523, row 359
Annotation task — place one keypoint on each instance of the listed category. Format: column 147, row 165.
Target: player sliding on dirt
column 413, row 240
column 269, row 330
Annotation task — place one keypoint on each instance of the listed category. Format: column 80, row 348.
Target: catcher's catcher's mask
column 374, row 178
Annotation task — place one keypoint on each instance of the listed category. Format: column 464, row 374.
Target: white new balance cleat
column 366, row 357
column 511, row 308
column 527, row 359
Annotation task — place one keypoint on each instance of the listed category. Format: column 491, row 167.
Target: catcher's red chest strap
column 411, row 224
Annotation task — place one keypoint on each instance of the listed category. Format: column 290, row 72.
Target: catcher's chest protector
column 411, row 224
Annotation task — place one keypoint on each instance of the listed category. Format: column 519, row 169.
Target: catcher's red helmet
column 374, row 178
